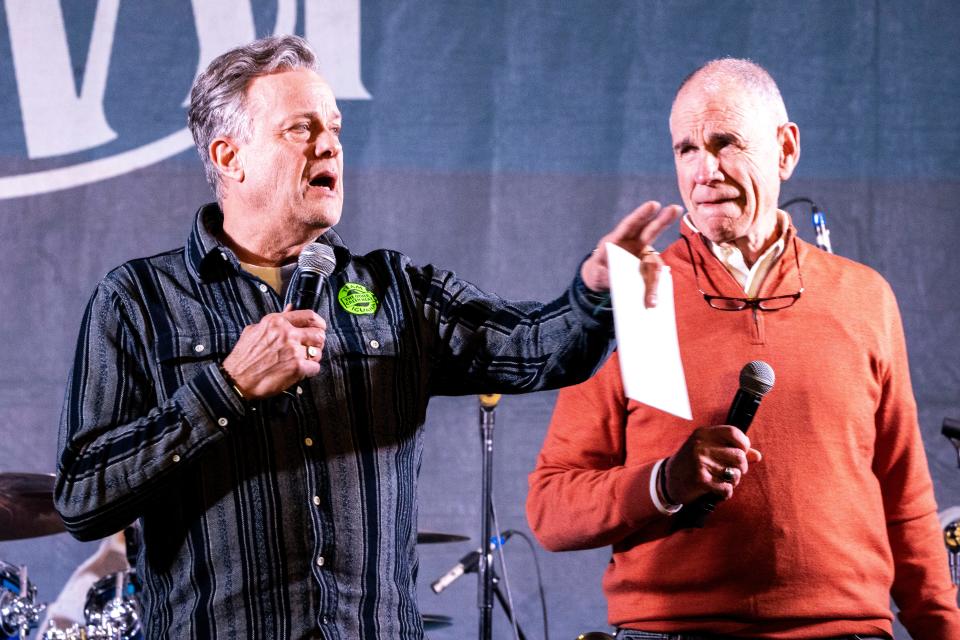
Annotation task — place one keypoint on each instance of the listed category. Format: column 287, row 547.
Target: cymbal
column 26, row 506
column 433, row 537
column 433, row 621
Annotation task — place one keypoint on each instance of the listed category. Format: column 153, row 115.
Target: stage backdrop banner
column 499, row 139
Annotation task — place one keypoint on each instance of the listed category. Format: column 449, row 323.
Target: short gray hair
column 744, row 73
column 218, row 97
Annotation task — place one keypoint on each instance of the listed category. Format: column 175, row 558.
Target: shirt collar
column 210, row 259
column 730, row 256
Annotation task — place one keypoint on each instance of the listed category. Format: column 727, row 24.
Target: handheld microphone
column 467, row 564
column 315, row 263
column 756, row 380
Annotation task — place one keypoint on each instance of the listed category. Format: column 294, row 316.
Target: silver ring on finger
column 729, row 474
column 312, row 352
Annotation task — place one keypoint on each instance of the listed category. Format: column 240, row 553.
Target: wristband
column 230, row 381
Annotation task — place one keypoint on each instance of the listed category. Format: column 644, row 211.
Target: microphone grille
column 318, row 258
column 757, row 377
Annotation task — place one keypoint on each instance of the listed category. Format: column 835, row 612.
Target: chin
column 322, row 218
column 718, row 230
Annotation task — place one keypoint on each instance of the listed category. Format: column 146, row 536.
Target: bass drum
column 113, row 607
column 11, row 600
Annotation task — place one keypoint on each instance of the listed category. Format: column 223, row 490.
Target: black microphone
column 467, row 564
column 315, row 263
column 756, row 379
column 950, row 428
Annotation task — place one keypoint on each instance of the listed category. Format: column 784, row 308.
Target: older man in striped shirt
column 271, row 454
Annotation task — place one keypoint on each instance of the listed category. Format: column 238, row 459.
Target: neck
column 761, row 236
column 256, row 241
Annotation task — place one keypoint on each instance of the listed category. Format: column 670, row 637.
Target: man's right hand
column 698, row 467
column 275, row 353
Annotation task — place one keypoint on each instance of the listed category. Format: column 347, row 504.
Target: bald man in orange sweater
column 811, row 537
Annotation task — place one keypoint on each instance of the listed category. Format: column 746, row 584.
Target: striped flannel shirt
column 294, row 516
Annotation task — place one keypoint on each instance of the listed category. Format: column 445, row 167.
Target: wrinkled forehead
column 291, row 89
column 715, row 105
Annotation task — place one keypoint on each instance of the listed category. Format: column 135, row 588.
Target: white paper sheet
column 647, row 338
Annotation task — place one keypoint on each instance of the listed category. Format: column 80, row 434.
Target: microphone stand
column 485, row 574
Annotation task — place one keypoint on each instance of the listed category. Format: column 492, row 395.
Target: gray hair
column 744, row 73
column 218, row 97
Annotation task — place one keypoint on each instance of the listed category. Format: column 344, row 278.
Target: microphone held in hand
column 316, row 262
column 756, row 380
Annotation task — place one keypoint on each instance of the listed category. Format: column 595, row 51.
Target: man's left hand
column 635, row 233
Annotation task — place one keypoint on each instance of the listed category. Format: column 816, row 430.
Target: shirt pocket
column 365, row 341
column 179, row 357
column 363, row 363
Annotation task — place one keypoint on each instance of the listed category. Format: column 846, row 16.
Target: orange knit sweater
column 838, row 515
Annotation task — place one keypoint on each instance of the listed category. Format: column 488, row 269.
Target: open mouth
column 325, row 180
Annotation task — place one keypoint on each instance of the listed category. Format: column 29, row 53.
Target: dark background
column 502, row 139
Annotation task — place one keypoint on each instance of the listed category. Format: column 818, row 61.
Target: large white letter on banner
column 333, row 30
column 55, row 119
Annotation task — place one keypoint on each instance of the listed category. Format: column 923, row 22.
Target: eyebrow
column 714, row 139
column 313, row 115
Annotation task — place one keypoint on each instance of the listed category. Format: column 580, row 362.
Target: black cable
column 813, row 205
column 512, row 614
column 543, row 596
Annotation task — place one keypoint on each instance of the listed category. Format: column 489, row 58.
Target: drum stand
column 488, row 582
column 20, row 612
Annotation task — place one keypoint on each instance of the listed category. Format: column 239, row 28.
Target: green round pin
column 357, row 299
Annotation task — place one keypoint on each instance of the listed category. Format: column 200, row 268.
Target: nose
column 708, row 169
column 328, row 145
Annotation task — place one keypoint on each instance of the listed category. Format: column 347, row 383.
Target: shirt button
column 324, row 619
column 375, row 344
column 263, row 287
column 222, row 422
column 198, row 348
column 320, row 562
column 316, row 501
column 299, row 390
column 308, row 442
column 176, row 458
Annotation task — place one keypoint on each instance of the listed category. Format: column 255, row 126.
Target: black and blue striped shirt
column 295, row 516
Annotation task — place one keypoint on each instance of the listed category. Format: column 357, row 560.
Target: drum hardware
column 112, row 604
column 112, row 611
column 951, row 537
column 432, row 621
column 19, row 609
column 434, row 537
column 26, row 506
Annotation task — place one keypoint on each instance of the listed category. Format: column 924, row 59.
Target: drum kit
column 112, row 609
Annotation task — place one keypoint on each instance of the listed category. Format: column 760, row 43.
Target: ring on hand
column 312, row 351
column 649, row 251
column 728, row 474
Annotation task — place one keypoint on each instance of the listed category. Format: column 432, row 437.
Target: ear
column 789, row 141
column 225, row 155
